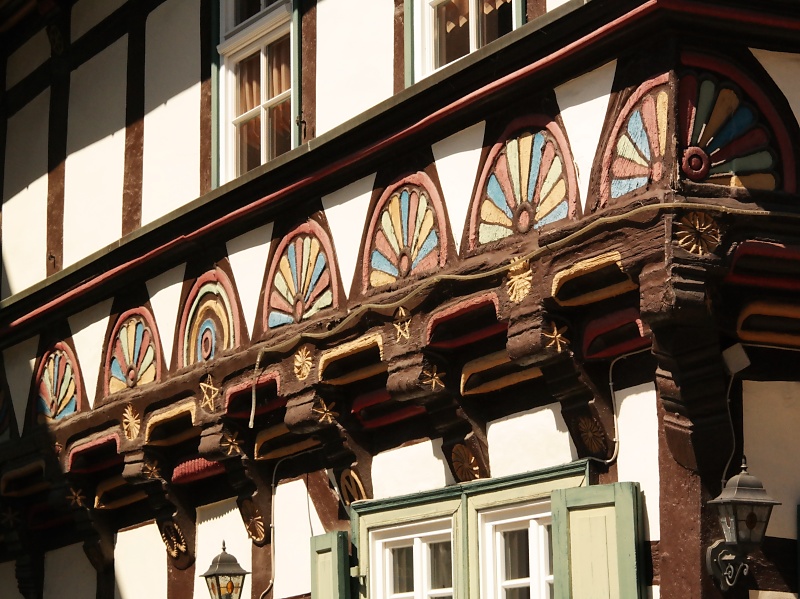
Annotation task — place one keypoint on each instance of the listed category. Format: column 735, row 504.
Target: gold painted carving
column 10, row 518
column 131, row 423
column 697, row 233
column 210, row 394
column 76, row 498
column 556, row 338
column 302, row 363
column 173, row 539
column 231, row 444
column 591, row 434
column 350, row 487
column 518, row 283
column 325, row 412
column 402, row 324
column 431, row 376
column 150, row 469
column 464, row 463
column 253, row 521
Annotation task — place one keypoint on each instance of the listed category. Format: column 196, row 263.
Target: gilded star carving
column 9, row 518
column 556, row 337
column 231, row 444
column 150, row 469
column 431, row 376
column 325, row 412
column 131, row 423
column 76, row 498
column 402, row 324
column 210, row 394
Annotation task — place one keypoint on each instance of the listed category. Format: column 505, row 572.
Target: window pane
column 249, row 134
column 249, row 77
column 515, row 552
column 496, row 19
column 280, row 78
column 280, row 132
column 520, row 593
column 441, row 565
column 244, row 9
column 451, row 31
column 403, row 570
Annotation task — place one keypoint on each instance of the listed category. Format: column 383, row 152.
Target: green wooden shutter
column 330, row 566
column 597, row 542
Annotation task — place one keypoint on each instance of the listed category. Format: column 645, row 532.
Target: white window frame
column 419, row 536
column 424, row 18
column 536, row 519
column 241, row 41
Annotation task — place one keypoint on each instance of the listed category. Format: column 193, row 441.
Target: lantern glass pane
column 727, row 522
column 230, row 586
column 213, row 587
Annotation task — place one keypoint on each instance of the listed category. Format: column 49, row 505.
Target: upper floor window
column 255, row 84
column 450, row 29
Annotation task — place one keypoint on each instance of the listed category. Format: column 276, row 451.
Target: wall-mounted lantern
column 744, row 510
column 225, row 577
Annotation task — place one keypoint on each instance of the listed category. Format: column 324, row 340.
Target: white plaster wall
column 346, row 211
column 771, row 595
column 140, row 564
column 8, row 581
column 25, row 59
column 19, row 361
column 88, row 13
column 529, row 441
column 171, row 161
column 654, row 592
column 165, row 294
column 638, row 448
column 355, row 58
column 583, row 102
column 95, row 153
column 296, row 521
column 68, row 574
column 771, row 413
column 247, row 255
column 457, row 160
column 24, row 223
column 783, row 69
column 88, row 333
column 218, row 522
column 410, row 469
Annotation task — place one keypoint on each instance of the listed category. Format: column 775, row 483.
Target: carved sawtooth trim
column 571, row 277
column 462, row 308
column 262, row 381
column 85, row 445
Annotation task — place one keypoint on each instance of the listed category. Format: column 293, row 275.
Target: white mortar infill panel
column 457, row 159
column 354, row 62
column 88, row 13
column 24, row 223
column 783, row 69
column 637, row 422
column 95, row 153
column 140, row 564
column 529, row 441
column 88, row 334
column 216, row 523
column 247, row 255
column 19, row 361
column 346, row 211
column 771, row 414
column 771, row 595
column 418, row 467
column 8, row 580
column 171, row 160
column 584, row 102
column 68, row 574
column 27, row 58
column 165, row 294
column 296, row 521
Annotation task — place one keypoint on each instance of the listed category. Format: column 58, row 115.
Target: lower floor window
column 516, row 552
column 416, row 561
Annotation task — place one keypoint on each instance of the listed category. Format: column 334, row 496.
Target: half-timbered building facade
column 396, row 298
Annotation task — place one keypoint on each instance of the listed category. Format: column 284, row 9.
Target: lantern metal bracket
column 726, row 564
